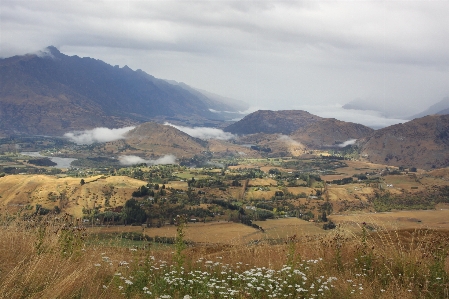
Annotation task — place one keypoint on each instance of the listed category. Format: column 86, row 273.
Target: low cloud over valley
column 131, row 160
column 97, row 135
column 204, row 133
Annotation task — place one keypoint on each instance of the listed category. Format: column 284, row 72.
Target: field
column 400, row 220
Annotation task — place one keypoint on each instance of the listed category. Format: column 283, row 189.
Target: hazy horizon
column 269, row 54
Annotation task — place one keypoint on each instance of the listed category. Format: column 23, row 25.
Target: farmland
column 356, row 225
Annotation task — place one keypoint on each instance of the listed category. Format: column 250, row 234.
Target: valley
column 209, row 187
column 117, row 184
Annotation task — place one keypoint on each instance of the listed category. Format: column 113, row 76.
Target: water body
column 60, row 162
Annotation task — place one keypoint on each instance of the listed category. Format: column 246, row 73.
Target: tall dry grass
column 48, row 257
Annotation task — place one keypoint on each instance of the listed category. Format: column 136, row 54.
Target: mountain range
column 392, row 110
column 52, row 93
column 421, row 143
column 442, row 107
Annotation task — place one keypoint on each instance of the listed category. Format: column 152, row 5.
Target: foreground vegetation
column 48, row 257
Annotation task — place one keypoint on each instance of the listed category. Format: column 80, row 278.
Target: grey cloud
column 204, row 132
column 273, row 54
column 131, row 160
column 369, row 118
column 348, row 142
column 97, row 135
column 289, row 140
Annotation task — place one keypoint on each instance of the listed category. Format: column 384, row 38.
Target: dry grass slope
column 53, row 258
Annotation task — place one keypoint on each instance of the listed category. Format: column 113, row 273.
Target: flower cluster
column 214, row 279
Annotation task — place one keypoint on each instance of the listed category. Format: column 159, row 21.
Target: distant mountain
column 330, row 132
column 163, row 139
column 152, row 140
column 271, row 122
column 385, row 108
column 226, row 107
column 442, row 107
column 422, row 143
column 52, row 93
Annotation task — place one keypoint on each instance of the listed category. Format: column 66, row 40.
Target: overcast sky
column 271, row 54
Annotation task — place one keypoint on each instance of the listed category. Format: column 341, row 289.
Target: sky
column 310, row 55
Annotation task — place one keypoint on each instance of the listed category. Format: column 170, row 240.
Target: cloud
column 97, row 135
column 132, row 160
column 289, row 140
column 204, row 132
column 44, row 54
column 265, row 52
column 369, row 118
column 347, row 142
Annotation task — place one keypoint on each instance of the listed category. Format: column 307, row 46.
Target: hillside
column 224, row 107
column 158, row 140
column 66, row 193
column 329, row 132
column 52, row 93
column 272, row 122
column 422, row 143
column 273, row 145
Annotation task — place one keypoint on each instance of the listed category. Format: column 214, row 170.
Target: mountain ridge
column 271, row 122
column 422, row 142
column 52, row 93
column 441, row 107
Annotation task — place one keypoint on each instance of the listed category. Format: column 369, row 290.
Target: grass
column 49, row 257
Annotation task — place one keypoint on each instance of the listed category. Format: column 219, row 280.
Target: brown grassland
column 391, row 255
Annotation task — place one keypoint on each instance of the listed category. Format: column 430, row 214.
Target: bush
column 329, row 225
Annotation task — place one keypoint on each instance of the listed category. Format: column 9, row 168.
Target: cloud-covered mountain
column 52, row 93
column 387, row 109
column 442, row 107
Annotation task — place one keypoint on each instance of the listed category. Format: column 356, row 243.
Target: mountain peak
column 53, row 50
column 49, row 52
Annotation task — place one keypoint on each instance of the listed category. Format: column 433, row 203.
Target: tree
column 324, row 217
column 82, row 182
column 134, row 213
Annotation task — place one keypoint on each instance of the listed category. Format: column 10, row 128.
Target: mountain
column 422, row 143
column 52, row 93
column 152, row 140
column 388, row 109
column 271, row 122
column 330, row 132
column 159, row 140
column 442, row 107
column 227, row 108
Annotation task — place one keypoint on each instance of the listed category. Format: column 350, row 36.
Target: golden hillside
column 329, row 132
column 422, row 143
column 281, row 145
column 18, row 191
column 158, row 140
